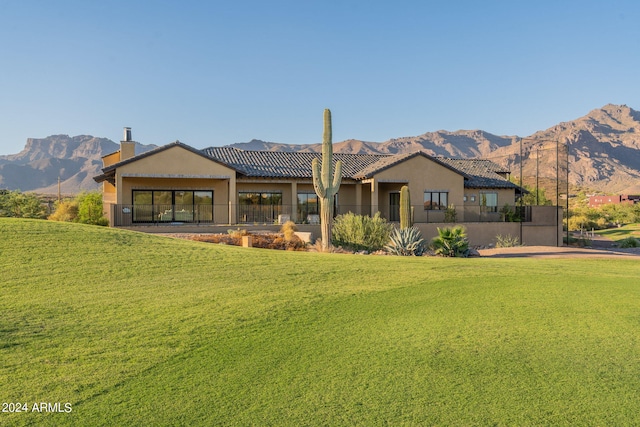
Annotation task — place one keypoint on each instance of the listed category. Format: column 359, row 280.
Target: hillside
column 76, row 160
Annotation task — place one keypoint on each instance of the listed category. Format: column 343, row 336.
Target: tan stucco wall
column 176, row 169
column 346, row 193
column 472, row 207
column 175, row 161
column 422, row 175
column 110, row 159
column 485, row 233
column 219, row 187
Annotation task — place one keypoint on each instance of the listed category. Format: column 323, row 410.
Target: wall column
column 375, row 192
column 294, row 201
column 358, row 198
column 232, row 197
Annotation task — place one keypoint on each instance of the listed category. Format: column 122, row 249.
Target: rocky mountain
column 604, row 153
column 462, row 144
column 604, row 149
column 75, row 160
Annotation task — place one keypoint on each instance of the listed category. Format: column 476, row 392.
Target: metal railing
column 129, row 215
column 125, row 215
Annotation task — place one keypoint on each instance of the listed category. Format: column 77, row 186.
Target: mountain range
column 603, row 153
column 75, row 160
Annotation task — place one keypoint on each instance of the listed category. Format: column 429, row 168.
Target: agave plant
column 406, row 242
column 451, row 242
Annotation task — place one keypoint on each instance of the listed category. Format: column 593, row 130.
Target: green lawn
column 617, row 234
column 134, row 330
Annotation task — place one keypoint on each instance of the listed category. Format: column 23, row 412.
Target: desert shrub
column 406, row 242
column 289, row 229
column 66, row 210
column 238, row 233
column 15, row 204
column 629, row 242
column 507, row 241
column 260, row 240
column 451, row 242
column 450, row 214
column 85, row 208
column 361, row 232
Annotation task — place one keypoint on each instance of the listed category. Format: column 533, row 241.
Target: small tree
column 90, row 208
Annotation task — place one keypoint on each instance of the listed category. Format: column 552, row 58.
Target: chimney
column 127, row 146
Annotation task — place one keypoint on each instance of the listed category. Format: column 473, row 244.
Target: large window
column 308, row 204
column 489, row 202
column 259, row 206
column 172, row 206
column 435, row 200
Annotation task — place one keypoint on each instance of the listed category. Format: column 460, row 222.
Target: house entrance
column 394, row 206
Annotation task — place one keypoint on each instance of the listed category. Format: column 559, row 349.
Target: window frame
column 151, row 212
column 483, row 201
column 440, row 206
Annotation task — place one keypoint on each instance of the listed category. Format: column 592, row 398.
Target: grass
column 134, row 329
column 621, row 233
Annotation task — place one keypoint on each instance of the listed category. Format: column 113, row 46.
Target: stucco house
column 177, row 184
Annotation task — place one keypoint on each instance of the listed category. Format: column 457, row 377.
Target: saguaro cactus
column 324, row 183
column 405, row 208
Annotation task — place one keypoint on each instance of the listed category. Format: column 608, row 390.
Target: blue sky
column 220, row 72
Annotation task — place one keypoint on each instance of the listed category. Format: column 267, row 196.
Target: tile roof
column 275, row 164
column 480, row 173
column 388, row 161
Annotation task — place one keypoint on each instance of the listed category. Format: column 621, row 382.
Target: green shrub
column 450, row 214
column 509, row 214
column 361, row 232
column 451, row 242
column 629, row 242
column 507, row 241
column 90, row 208
column 406, row 242
column 15, row 204
column 85, row 208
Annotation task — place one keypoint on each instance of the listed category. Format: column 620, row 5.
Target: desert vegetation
column 85, row 208
column 16, row 204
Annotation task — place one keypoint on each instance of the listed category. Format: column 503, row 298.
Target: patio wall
column 545, row 229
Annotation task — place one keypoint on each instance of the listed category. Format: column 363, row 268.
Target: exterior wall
column 111, row 159
column 174, row 169
column 420, row 174
column 220, row 191
column 543, row 232
column 472, row 209
column 597, row 201
column 545, row 229
column 109, row 198
column 347, row 200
